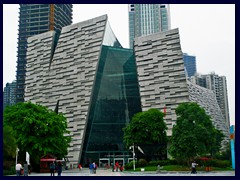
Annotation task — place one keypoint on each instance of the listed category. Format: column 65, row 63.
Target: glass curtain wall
column 115, row 100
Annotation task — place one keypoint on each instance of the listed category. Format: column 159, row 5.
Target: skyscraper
column 190, row 64
column 36, row 19
column 9, row 97
column 145, row 19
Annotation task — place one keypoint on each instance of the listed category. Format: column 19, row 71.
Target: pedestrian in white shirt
column 18, row 169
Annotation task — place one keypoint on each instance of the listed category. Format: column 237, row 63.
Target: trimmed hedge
column 215, row 163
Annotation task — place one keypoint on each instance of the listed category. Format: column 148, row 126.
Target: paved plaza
column 108, row 172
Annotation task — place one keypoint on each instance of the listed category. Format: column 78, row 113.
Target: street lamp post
column 17, row 154
column 132, row 147
column 133, row 158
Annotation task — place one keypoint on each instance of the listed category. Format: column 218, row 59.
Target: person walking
column 18, row 169
column 52, row 169
column 25, row 168
column 91, row 167
column 79, row 167
column 121, row 167
column 112, row 167
column 117, row 166
column 59, row 168
column 29, row 168
column 95, row 166
column 194, row 164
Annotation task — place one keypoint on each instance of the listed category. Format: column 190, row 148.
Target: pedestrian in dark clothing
column 25, row 168
column 95, row 166
column 52, row 169
column 112, row 167
column 29, row 168
column 59, row 168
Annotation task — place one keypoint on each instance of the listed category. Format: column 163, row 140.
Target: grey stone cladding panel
column 161, row 75
column 70, row 77
column 207, row 100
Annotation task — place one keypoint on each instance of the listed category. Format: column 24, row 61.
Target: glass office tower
column 145, row 19
column 36, row 19
column 190, row 64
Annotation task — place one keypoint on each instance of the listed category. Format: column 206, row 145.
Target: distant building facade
column 9, row 97
column 36, row 19
column 218, row 84
column 145, row 19
column 190, row 64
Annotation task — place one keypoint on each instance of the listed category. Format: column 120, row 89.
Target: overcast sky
column 206, row 31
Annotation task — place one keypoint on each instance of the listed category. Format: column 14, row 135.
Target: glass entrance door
column 104, row 162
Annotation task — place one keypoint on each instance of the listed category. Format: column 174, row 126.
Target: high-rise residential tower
column 218, row 84
column 9, row 97
column 145, row 19
column 190, row 64
column 36, row 19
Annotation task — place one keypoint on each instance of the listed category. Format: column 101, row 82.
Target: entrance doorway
column 104, row 162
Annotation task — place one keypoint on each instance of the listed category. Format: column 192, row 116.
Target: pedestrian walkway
column 108, row 172
column 83, row 172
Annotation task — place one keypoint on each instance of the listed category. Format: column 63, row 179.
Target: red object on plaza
column 45, row 161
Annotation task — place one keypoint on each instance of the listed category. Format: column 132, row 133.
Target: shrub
column 129, row 165
column 10, row 171
column 142, row 163
column 7, row 165
column 154, row 163
column 219, row 163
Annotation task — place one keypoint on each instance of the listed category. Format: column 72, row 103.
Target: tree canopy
column 9, row 143
column 38, row 130
column 147, row 129
column 193, row 134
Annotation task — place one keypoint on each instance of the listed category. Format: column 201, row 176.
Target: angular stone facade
column 163, row 83
column 69, row 77
column 161, row 75
column 207, row 100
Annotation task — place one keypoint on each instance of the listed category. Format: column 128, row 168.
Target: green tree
column 9, row 143
column 193, row 134
column 224, row 155
column 38, row 130
column 216, row 144
column 148, row 130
